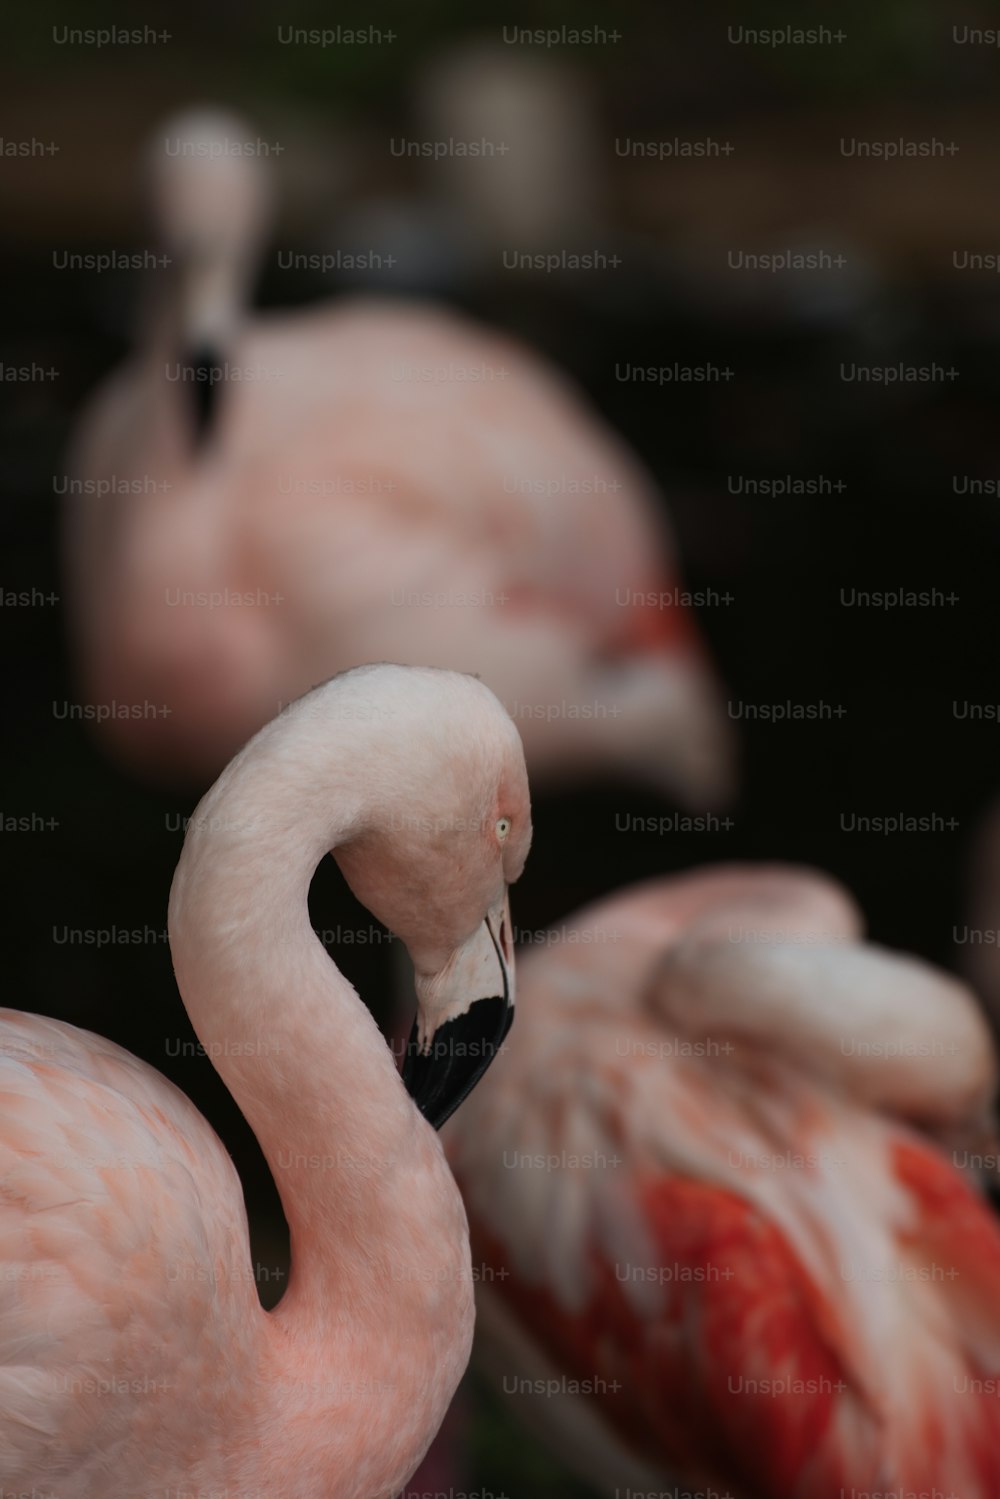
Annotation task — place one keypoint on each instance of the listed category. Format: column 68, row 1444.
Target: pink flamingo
column 978, row 939
column 135, row 1357
column 270, row 500
column 715, row 1239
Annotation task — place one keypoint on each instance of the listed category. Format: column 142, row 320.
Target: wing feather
column 123, row 1259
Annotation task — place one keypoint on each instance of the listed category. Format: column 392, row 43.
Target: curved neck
column 300, row 1053
column 200, row 304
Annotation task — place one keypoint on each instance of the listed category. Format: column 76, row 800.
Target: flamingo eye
column 503, row 828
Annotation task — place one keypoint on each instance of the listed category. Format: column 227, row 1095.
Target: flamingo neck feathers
column 298, row 1050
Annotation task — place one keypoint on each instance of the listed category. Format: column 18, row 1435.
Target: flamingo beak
column 208, row 372
column 444, row 1063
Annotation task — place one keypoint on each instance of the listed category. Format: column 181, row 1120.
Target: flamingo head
column 448, row 835
column 210, row 197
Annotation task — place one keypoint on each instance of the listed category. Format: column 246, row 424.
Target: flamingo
column 448, row 232
column 709, row 1191
column 264, row 501
column 135, row 1357
column 978, row 938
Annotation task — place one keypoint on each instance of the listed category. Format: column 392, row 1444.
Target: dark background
column 898, row 523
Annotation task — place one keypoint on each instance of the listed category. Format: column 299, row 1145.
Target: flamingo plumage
column 713, row 1192
column 978, row 937
column 359, row 481
column 135, row 1357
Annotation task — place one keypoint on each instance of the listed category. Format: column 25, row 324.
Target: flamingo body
column 379, row 481
column 746, row 1270
column 112, row 1179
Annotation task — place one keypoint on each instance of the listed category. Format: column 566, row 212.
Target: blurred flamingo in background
column 361, row 482
column 542, row 194
column 978, row 939
column 135, row 1357
column 713, row 1238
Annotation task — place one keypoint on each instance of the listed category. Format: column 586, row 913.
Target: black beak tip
column 208, row 370
column 460, row 1051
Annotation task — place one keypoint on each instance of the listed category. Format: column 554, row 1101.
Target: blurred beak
column 209, row 323
column 208, row 369
column 472, row 1002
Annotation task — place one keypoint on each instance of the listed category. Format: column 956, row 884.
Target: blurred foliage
column 888, row 45
column 244, row 39
column 892, row 47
